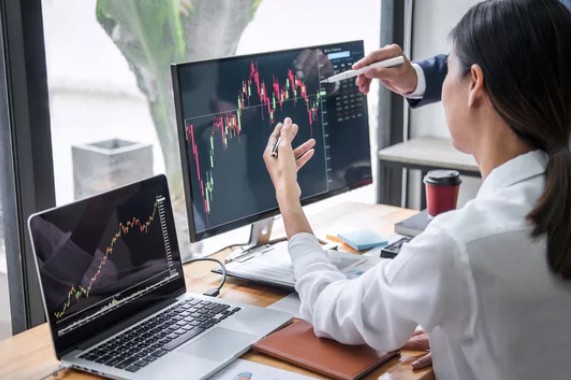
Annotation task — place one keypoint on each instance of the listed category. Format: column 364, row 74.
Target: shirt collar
column 515, row 170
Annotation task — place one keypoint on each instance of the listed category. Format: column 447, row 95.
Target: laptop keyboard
column 144, row 343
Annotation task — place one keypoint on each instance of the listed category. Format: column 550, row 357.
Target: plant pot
column 103, row 165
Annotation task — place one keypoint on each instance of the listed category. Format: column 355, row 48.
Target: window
column 5, row 324
column 97, row 102
column 106, row 95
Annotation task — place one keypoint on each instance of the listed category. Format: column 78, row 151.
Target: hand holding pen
column 302, row 153
column 391, row 62
column 400, row 79
column 282, row 168
column 282, row 161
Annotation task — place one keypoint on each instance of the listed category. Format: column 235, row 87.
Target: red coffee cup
column 441, row 191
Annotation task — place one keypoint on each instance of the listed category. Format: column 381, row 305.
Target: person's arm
column 420, row 83
column 399, row 79
column 382, row 307
column 283, row 172
column 426, row 284
column 434, row 70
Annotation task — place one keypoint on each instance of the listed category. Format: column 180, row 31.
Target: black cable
column 186, row 261
column 214, row 292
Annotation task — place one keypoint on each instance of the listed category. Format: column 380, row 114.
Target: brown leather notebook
column 297, row 344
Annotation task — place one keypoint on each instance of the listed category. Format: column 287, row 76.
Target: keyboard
column 142, row 344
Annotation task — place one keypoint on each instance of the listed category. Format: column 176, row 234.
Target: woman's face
column 455, row 93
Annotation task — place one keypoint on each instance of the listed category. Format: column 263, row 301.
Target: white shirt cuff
column 420, row 89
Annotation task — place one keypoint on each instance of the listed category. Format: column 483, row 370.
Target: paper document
column 274, row 266
column 289, row 304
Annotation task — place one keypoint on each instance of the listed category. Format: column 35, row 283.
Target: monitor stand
column 259, row 240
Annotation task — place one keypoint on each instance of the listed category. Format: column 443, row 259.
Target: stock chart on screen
column 227, row 109
column 109, row 253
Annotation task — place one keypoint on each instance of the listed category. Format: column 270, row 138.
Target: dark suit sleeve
column 435, row 70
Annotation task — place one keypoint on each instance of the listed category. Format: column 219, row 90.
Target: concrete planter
column 106, row 164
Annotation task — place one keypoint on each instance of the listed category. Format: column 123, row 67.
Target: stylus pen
column 275, row 148
column 353, row 73
column 248, row 254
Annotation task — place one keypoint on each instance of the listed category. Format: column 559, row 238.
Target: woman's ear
column 476, row 90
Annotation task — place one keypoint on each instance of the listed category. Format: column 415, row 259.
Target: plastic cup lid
column 443, row 177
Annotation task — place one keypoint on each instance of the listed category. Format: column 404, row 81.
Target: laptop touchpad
column 218, row 344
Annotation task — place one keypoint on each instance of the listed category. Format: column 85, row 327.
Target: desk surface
column 30, row 355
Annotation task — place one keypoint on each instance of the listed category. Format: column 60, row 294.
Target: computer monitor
column 226, row 109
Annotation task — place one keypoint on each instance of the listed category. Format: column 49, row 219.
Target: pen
column 241, row 256
column 395, row 61
column 275, row 148
column 236, row 256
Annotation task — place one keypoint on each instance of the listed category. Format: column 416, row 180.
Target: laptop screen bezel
column 111, row 323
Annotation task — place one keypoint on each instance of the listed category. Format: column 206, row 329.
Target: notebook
column 115, row 296
column 298, row 344
column 413, row 225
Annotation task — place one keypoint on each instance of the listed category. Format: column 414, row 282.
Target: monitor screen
column 226, row 110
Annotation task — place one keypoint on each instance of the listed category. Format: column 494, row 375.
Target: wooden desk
column 30, row 355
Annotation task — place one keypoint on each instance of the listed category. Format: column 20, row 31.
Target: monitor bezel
column 184, row 152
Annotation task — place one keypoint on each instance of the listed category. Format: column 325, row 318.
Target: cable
column 214, row 292
column 186, row 261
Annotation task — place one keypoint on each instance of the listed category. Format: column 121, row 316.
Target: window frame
column 28, row 179
column 396, row 27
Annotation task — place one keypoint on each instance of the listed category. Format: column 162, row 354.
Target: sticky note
column 362, row 239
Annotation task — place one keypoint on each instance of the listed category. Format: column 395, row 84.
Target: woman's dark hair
column 524, row 50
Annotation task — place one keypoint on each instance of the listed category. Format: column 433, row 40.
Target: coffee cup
column 441, row 191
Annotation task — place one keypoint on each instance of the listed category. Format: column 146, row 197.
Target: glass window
column 5, row 324
column 112, row 115
column 5, row 180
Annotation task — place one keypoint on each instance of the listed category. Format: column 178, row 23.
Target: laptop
column 115, row 296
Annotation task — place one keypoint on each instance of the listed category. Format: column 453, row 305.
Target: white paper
column 274, row 265
column 289, row 304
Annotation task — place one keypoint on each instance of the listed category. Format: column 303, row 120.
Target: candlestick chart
column 124, row 244
column 133, row 225
column 227, row 108
column 227, row 139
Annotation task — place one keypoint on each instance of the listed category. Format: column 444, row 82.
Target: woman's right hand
column 400, row 79
column 283, row 172
column 283, row 168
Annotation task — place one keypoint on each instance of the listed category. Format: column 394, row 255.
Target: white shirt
column 420, row 89
column 474, row 280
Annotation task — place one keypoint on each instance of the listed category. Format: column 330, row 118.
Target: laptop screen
column 105, row 258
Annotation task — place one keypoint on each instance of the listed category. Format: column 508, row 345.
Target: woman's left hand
column 420, row 342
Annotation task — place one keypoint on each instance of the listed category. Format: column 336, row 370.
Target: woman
column 490, row 282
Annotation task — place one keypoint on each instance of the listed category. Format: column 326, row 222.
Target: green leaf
column 154, row 34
